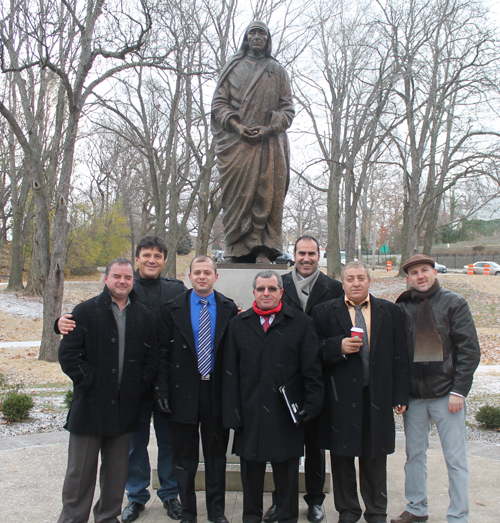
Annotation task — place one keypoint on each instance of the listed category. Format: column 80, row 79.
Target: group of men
column 201, row 367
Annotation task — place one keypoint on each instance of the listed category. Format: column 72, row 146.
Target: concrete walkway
column 32, row 470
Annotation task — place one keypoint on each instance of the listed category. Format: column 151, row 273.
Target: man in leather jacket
column 444, row 353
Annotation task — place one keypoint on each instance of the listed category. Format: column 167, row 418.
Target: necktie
column 204, row 340
column 266, row 323
column 365, row 349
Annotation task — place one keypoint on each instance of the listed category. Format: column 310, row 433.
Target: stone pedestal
column 235, row 280
column 233, row 477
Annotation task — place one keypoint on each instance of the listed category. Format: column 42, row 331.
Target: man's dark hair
column 119, row 261
column 150, row 242
column 305, row 237
column 202, row 258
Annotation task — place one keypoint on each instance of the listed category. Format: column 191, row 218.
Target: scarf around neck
column 428, row 350
column 304, row 285
column 260, row 312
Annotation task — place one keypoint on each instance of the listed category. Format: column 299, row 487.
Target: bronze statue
column 251, row 110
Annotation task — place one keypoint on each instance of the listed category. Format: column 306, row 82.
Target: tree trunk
column 333, row 206
column 53, row 295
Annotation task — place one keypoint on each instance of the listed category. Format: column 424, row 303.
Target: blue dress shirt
column 196, row 307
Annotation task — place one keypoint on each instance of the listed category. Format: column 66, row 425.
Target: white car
column 322, row 258
column 440, row 267
column 479, row 268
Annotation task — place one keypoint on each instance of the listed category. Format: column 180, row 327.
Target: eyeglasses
column 270, row 289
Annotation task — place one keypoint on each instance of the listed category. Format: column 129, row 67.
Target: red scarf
column 266, row 313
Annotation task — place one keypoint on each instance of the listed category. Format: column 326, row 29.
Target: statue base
column 236, row 280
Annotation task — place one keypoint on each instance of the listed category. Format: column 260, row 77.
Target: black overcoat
column 179, row 379
column 256, row 364
column 324, row 289
column 89, row 356
column 340, row 421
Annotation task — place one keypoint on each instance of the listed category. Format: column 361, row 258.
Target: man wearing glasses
column 270, row 346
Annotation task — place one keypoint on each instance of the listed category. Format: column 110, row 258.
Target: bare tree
column 444, row 52
column 345, row 105
column 84, row 37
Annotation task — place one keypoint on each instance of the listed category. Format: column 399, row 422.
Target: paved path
column 32, row 471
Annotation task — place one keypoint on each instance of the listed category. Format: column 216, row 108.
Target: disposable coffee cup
column 356, row 332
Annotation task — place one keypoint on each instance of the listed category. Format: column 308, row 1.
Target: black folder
column 293, row 394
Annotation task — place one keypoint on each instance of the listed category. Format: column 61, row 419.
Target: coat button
column 177, row 385
column 113, row 340
column 355, row 380
column 177, row 365
column 354, row 405
column 113, row 402
column 113, row 371
column 184, row 346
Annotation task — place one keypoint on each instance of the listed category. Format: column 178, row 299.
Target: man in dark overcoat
column 112, row 357
column 153, row 290
column 304, row 287
column 268, row 346
column 189, row 387
column 366, row 376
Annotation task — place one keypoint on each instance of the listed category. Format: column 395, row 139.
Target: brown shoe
column 408, row 517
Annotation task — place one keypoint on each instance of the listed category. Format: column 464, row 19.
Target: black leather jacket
column 461, row 352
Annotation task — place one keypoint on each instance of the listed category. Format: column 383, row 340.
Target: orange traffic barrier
column 389, row 265
column 486, row 271
column 470, row 270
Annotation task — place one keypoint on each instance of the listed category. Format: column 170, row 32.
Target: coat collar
column 344, row 318
column 105, row 297
column 254, row 320
column 318, row 290
column 181, row 316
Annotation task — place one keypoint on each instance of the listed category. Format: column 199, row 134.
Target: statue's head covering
column 242, row 51
column 257, row 24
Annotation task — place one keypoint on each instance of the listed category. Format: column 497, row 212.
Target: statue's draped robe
column 253, row 176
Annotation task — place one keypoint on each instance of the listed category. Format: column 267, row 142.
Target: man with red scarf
column 268, row 346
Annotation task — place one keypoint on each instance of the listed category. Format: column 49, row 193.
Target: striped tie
column 365, row 349
column 204, row 340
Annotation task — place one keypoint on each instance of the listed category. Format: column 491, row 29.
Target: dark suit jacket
column 340, row 421
column 179, row 379
column 324, row 289
column 256, row 364
column 89, row 356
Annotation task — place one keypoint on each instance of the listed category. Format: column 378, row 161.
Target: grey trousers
column 81, row 476
column 453, row 436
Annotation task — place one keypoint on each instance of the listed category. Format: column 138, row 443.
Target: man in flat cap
column 251, row 110
column 444, row 353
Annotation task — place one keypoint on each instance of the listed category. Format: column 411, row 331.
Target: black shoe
column 131, row 511
column 271, row 515
column 218, row 519
column 187, row 521
column 174, row 509
column 315, row 514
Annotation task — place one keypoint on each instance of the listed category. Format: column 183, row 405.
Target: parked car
column 440, row 268
column 285, row 259
column 322, row 258
column 219, row 256
column 479, row 268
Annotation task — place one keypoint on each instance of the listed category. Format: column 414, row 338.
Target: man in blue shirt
column 192, row 333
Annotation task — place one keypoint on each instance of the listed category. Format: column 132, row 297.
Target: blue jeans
column 453, row 436
column 139, row 469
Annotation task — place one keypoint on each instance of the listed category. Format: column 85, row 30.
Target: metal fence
column 458, row 261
